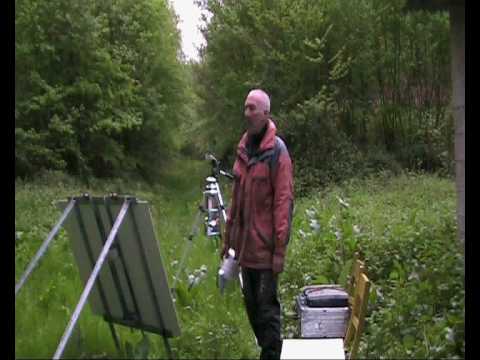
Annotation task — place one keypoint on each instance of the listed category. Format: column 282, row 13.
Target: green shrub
column 405, row 228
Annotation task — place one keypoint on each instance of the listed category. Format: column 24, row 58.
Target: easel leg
column 167, row 347
column 115, row 337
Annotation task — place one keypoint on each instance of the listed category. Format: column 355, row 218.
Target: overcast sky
column 190, row 19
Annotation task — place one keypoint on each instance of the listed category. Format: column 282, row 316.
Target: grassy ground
column 211, row 325
column 405, row 226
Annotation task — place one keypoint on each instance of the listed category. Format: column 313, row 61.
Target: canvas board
column 132, row 287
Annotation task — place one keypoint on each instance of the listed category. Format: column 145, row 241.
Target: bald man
column 259, row 219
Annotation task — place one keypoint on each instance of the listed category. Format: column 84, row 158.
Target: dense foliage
column 405, row 229
column 98, row 86
column 355, row 85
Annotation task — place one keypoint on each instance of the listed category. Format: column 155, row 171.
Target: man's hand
column 223, row 252
column 277, row 265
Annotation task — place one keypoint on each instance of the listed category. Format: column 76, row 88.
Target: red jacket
column 260, row 216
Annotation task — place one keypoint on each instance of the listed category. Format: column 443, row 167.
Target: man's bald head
column 261, row 97
column 257, row 110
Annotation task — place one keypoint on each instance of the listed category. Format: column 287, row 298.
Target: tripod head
column 216, row 171
column 213, row 160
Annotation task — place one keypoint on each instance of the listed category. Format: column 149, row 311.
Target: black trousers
column 263, row 309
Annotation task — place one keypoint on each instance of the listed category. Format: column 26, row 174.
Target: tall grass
column 403, row 225
column 211, row 324
column 405, row 228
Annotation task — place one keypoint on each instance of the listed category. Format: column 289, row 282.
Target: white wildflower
column 338, row 235
column 450, row 334
column 414, row 276
column 379, row 294
column 343, row 202
column 314, row 225
column 331, row 222
column 310, row 213
column 356, row 229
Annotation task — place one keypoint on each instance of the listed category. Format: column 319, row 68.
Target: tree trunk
column 457, row 23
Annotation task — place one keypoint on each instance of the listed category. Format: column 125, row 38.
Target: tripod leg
column 196, row 223
column 221, row 203
column 194, row 232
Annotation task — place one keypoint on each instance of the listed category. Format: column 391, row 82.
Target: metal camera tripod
column 212, row 210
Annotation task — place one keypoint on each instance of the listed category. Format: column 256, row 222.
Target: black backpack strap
column 277, row 150
column 271, row 156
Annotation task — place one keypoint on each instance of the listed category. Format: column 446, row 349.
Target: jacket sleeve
column 282, row 208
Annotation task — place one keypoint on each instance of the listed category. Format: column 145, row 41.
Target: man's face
column 255, row 114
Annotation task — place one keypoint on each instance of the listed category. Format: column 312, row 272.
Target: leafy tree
column 98, row 86
column 344, row 78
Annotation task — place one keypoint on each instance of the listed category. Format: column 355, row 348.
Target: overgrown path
column 405, row 226
column 49, row 297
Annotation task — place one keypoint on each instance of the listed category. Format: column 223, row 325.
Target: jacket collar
column 268, row 141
